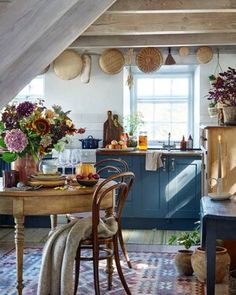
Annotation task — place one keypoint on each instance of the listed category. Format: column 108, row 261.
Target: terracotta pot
column 199, row 263
column 183, row 262
column 26, row 166
column 229, row 115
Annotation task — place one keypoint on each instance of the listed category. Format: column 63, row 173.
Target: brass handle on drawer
column 164, row 164
column 172, row 164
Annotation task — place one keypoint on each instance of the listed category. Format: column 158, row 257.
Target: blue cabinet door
column 184, row 187
column 152, row 192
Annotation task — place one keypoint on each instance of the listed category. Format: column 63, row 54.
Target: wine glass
column 74, row 159
column 64, row 160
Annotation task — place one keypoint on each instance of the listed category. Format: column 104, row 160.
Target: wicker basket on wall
column 111, row 61
column 149, row 59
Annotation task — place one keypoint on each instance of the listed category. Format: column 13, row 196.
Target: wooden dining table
column 47, row 201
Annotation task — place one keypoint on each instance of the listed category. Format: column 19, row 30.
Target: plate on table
column 219, row 197
column 128, row 149
column 47, row 183
column 48, row 177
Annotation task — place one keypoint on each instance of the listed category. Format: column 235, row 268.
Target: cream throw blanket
column 56, row 273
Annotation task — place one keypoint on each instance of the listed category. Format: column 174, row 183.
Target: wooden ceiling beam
column 148, row 23
column 154, row 40
column 48, row 46
column 135, row 6
column 24, row 22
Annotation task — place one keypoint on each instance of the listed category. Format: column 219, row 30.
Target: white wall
column 90, row 102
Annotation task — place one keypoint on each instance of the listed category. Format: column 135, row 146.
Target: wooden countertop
column 193, row 153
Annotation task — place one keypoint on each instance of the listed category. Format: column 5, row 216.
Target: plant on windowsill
column 132, row 123
column 183, row 256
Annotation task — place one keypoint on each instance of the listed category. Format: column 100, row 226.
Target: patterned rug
column 152, row 273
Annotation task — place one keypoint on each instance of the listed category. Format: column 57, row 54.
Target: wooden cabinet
column 166, row 198
column 210, row 136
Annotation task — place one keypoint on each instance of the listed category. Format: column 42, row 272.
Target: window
column 32, row 91
column 165, row 99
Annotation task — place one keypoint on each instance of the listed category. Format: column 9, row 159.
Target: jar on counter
column 143, row 141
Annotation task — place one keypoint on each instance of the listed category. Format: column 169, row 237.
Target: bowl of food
column 87, row 180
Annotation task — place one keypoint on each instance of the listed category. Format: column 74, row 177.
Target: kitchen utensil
column 204, row 54
column 111, row 61
column 90, row 142
column 112, row 130
column 68, row 65
column 170, row 60
column 149, row 59
column 86, row 69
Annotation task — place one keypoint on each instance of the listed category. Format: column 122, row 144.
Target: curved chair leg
column 77, row 268
column 118, row 266
column 96, row 269
column 122, row 245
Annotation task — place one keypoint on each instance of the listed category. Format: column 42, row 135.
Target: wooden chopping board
column 111, row 130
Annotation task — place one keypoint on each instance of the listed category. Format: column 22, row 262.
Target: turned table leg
column 19, row 244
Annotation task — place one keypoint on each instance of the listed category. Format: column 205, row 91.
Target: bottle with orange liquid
column 143, row 141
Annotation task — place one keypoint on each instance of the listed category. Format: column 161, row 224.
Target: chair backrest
column 120, row 164
column 121, row 183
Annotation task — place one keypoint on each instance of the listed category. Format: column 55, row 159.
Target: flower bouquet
column 31, row 128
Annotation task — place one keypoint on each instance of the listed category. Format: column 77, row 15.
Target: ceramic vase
column 26, row 166
column 229, row 115
column 198, row 260
column 183, row 262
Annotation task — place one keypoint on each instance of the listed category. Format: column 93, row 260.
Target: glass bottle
column 143, row 141
column 183, row 144
column 190, row 143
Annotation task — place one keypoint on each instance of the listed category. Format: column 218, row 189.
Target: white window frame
column 167, row 71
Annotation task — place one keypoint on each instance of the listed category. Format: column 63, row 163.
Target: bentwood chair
column 121, row 183
column 106, row 167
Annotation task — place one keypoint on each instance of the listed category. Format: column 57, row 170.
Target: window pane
column 180, row 87
column 144, row 87
column 34, row 88
column 162, row 87
column 180, row 112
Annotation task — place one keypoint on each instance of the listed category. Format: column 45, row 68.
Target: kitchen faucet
column 169, row 146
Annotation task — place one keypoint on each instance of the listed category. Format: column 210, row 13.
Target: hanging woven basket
column 149, row 59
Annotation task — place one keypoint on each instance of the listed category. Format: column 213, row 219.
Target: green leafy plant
column 186, row 239
column 133, row 122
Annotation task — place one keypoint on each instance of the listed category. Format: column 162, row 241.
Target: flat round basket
column 183, row 51
column 111, row 61
column 68, row 65
column 204, row 54
column 149, row 59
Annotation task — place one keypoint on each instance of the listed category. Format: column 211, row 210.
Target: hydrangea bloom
column 15, row 140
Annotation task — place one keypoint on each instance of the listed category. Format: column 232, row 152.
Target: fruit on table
column 117, row 145
column 89, row 176
column 85, row 169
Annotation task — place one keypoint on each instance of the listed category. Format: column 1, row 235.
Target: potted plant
column 132, row 123
column 223, row 94
column 183, row 256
